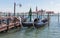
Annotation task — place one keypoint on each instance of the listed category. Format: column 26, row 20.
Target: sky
column 49, row 5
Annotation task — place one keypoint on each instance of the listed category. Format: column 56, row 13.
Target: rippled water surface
column 53, row 31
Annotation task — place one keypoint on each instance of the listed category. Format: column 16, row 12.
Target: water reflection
column 24, row 33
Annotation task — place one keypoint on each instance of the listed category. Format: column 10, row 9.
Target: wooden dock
column 5, row 27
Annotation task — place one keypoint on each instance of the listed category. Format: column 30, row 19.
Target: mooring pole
column 37, row 11
column 8, row 20
column 30, row 14
column 14, row 8
column 48, row 19
column 48, row 16
column 58, row 17
column 14, row 12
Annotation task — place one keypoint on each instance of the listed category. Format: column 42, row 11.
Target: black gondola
column 27, row 24
column 39, row 23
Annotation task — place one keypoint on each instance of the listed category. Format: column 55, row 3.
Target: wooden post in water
column 30, row 14
column 14, row 8
column 7, row 24
column 48, row 16
column 36, row 11
column 8, row 21
column 48, row 19
column 42, row 13
column 58, row 17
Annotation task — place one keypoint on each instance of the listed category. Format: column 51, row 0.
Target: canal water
column 51, row 31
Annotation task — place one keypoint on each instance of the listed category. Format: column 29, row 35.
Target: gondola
column 39, row 23
column 27, row 24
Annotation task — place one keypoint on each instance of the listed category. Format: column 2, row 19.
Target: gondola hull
column 27, row 24
column 41, row 24
column 36, row 23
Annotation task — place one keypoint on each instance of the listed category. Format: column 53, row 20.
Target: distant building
column 39, row 12
column 50, row 12
column 26, row 13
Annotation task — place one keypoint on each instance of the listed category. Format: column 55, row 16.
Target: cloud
column 51, row 2
column 58, row 5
